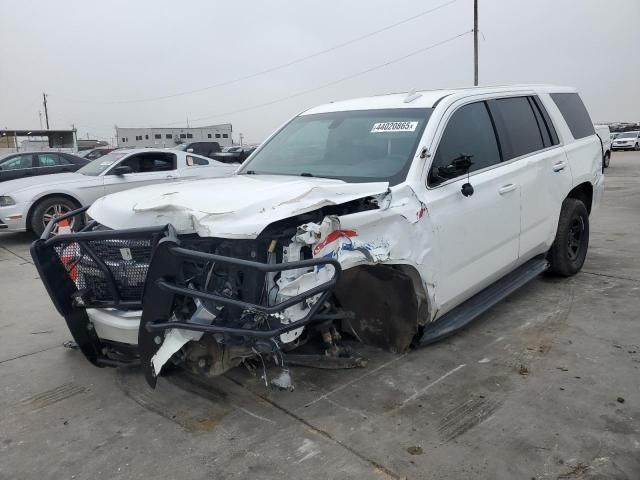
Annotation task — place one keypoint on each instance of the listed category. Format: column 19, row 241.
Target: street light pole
column 475, row 43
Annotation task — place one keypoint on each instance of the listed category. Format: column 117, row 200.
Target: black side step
column 468, row 311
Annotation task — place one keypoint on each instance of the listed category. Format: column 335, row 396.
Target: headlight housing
column 6, row 201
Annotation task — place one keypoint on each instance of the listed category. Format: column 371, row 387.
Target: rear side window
column 469, row 132
column 574, row 113
column 518, row 127
column 52, row 160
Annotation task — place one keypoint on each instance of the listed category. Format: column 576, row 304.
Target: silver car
column 30, row 203
column 627, row 141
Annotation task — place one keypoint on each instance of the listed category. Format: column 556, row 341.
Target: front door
column 144, row 169
column 16, row 166
column 477, row 236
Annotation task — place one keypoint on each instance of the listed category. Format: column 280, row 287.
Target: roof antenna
column 411, row 96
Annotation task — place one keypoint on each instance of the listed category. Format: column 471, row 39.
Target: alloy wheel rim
column 54, row 211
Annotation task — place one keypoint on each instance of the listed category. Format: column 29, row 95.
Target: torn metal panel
column 204, row 207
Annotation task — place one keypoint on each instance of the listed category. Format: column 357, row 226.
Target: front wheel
column 636, row 147
column 49, row 208
column 569, row 248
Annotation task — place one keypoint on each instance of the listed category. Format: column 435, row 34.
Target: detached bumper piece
column 95, row 268
column 167, row 287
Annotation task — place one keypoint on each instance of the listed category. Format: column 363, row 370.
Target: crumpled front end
column 211, row 303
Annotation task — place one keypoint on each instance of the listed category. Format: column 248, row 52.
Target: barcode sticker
column 394, row 127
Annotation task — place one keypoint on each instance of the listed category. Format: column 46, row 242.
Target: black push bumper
column 142, row 268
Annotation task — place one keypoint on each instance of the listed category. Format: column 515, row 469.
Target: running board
column 471, row 309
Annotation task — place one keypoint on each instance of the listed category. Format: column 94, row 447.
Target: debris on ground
column 415, row 450
column 523, row 370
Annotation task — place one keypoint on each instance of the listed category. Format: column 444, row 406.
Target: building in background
column 170, row 137
column 21, row 140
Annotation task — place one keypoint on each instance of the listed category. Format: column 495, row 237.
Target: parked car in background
column 605, row 136
column 29, row 164
column 207, row 149
column 396, row 219
column 235, row 154
column 627, row 141
column 30, row 203
column 94, row 153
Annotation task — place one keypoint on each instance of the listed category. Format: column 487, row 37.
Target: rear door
column 477, row 236
column 147, row 168
column 51, row 162
column 529, row 138
column 16, row 166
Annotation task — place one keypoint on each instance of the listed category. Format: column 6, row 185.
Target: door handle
column 509, row 187
column 558, row 167
column 171, row 177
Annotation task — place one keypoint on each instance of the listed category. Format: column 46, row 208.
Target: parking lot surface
column 544, row 385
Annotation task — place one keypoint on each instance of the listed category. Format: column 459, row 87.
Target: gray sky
column 81, row 51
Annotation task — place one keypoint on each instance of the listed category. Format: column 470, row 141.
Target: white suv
column 394, row 219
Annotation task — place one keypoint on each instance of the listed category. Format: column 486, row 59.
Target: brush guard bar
column 162, row 283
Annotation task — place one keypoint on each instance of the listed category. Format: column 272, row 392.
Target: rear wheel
column 569, row 248
column 636, row 146
column 49, row 208
column 607, row 159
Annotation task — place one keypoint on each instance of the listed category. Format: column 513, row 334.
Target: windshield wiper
column 306, row 174
column 250, row 172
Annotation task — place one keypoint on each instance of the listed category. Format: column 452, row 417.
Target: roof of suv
column 426, row 98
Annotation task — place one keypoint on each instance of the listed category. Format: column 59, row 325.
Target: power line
column 277, row 67
column 334, row 82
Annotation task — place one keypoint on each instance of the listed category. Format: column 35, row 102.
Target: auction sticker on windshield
column 394, row 127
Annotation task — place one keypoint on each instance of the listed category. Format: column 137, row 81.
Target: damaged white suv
column 395, row 220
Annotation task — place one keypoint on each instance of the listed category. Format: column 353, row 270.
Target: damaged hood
column 240, row 206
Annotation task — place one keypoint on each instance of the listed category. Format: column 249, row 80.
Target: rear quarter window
column 574, row 113
column 518, row 128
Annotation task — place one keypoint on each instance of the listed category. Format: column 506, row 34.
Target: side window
column 517, row 126
column 574, row 113
column 553, row 136
column 18, row 162
column 51, row 160
column 469, row 132
column 150, row 162
column 192, row 161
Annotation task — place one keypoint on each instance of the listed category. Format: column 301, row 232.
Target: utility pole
column 475, row 43
column 241, row 139
column 46, row 113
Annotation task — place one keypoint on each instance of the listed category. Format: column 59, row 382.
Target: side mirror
column 458, row 166
column 122, row 170
column 190, row 150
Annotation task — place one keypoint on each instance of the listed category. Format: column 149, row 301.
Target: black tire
column 569, row 248
column 636, row 147
column 607, row 159
column 47, row 207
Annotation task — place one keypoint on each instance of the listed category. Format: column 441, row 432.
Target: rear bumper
column 93, row 291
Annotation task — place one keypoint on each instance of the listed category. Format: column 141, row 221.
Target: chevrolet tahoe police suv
column 394, row 220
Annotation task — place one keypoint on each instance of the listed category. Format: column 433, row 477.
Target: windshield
column 355, row 146
column 99, row 165
column 628, row 135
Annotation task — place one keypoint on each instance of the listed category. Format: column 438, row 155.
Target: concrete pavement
column 545, row 385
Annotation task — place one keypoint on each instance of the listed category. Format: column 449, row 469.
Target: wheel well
column 584, row 193
column 41, row 199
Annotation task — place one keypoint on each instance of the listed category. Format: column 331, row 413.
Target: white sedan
column 30, row 203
